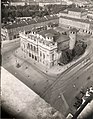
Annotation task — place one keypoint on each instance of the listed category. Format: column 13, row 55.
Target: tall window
column 31, row 46
column 14, row 36
column 29, row 54
column 23, row 45
column 43, row 56
column 28, row 46
column 35, row 58
column 40, row 54
column 32, row 56
column 34, row 48
column 52, row 56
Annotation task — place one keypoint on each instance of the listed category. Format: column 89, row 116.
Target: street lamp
column 17, row 63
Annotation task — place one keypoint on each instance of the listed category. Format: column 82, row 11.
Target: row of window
column 33, row 48
column 89, row 32
column 37, row 29
column 33, row 57
column 42, row 54
column 27, row 32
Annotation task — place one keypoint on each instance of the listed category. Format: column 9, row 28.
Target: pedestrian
column 74, row 85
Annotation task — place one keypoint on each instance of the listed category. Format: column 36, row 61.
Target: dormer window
column 73, row 32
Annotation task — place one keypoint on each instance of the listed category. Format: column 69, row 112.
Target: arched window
column 28, row 46
column 43, row 56
column 35, row 58
column 40, row 54
column 52, row 56
column 31, row 46
column 29, row 54
column 34, row 48
column 32, row 56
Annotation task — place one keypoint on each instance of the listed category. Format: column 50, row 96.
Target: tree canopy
column 68, row 55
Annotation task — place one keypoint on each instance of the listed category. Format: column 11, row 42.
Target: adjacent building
column 11, row 31
column 74, row 12
column 76, row 18
column 82, row 3
column 90, row 13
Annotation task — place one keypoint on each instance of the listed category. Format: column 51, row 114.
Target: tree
column 78, row 50
column 64, row 58
column 69, row 55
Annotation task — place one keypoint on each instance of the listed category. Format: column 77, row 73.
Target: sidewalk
column 54, row 71
column 8, row 42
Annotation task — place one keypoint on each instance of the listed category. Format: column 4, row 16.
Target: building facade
column 40, row 48
column 76, row 18
column 44, row 47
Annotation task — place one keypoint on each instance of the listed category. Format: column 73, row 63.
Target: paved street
column 65, row 86
column 10, row 46
column 28, row 74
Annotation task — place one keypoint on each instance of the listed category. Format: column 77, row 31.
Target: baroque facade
column 46, row 46
column 40, row 47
